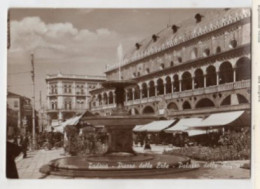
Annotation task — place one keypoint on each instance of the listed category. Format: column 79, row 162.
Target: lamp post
column 33, row 107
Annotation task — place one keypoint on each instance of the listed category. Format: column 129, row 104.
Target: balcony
column 187, row 93
column 195, row 92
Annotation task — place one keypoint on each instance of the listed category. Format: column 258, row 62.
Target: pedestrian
column 147, row 145
column 12, row 151
column 24, row 145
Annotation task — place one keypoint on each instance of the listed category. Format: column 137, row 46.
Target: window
column 179, row 59
column 233, row 43
column 54, row 105
column 53, row 89
column 206, row 52
column 218, row 50
column 65, row 88
column 69, row 88
column 162, row 66
column 16, row 104
column 68, row 105
column 80, row 89
column 147, row 70
column 194, row 53
column 172, row 64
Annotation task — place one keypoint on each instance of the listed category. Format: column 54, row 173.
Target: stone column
column 234, row 75
column 141, row 93
column 60, row 117
column 155, row 90
column 164, row 88
column 133, row 92
column 148, row 92
column 172, row 87
column 102, row 100
column 126, row 96
column 205, row 80
column 193, row 83
column 114, row 98
column 217, row 74
column 180, row 86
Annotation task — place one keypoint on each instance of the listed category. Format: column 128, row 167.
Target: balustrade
column 187, row 93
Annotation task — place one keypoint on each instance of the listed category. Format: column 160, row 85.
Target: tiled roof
column 212, row 19
column 10, row 94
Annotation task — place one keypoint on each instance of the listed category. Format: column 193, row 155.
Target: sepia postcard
column 114, row 94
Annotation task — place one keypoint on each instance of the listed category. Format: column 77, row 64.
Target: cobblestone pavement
column 28, row 168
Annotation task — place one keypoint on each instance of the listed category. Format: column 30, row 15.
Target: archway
column 129, row 94
column 151, row 88
column 137, row 92
column 160, row 87
column 99, row 99
column 148, row 110
column 234, row 99
column 172, row 106
column 211, row 77
column 186, row 105
column 225, row 73
column 186, row 81
column 205, row 103
column 199, row 79
column 243, row 71
column 105, row 98
column 168, row 85
column 176, row 86
column 110, row 97
column 144, row 90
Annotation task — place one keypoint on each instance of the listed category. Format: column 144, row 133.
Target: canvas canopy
column 216, row 120
column 71, row 121
column 155, row 126
column 182, row 126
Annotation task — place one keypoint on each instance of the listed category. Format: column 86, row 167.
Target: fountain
column 120, row 160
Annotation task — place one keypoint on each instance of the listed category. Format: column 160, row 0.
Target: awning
column 155, row 126
column 235, row 118
column 71, row 121
column 137, row 128
column 182, row 126
column 194, row 132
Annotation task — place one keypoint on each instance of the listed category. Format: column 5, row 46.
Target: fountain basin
column 142, row 165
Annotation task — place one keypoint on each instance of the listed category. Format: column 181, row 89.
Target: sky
column 76, row 41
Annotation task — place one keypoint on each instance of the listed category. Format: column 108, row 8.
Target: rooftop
column 14, row 95
column 74, row 76
column 203, row 22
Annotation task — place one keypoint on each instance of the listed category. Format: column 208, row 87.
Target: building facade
column 195, row 67
column 19, row 114
column 68, row 95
